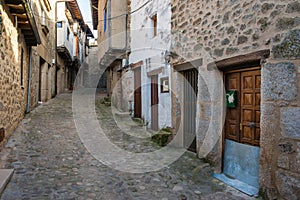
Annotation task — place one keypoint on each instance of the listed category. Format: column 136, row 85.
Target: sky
column 85, row 9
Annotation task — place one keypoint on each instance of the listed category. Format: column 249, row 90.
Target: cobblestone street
column 50, row 162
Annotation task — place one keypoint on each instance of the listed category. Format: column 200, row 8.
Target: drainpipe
column 126, row 39
column 109, row 23
column 29, row 81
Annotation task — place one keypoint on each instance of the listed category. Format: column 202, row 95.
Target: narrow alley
column 149, row 99
column 50, row 162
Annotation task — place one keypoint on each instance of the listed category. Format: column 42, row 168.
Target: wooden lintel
column 239, row 61
column 189, row 65
column 155, row 72
column 136, row 65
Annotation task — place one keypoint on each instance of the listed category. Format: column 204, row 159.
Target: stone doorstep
column 5, row 176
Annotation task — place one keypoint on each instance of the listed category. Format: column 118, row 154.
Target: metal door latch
column 251, row 124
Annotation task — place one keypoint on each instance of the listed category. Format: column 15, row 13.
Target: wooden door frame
column 190, row 148
column 154, row 101
column 134, row 92
column 249, row 68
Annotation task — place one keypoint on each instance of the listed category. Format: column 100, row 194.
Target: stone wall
column 226, row 28
column 217, row 30
column 13, row 94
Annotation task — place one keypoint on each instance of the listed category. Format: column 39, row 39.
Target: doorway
column 154, row 102
column 137, row 93
column 242, row 122
column 190, row 107
column 242, row 130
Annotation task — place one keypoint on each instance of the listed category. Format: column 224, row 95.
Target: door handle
column 252, row 124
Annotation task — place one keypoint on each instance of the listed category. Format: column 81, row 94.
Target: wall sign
column 231, row 98
column 164, row 85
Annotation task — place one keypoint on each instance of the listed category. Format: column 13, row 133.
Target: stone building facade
column 112, row 20
column 28, row 74
column 225, row 37
column 43, row 72
column 16, row 55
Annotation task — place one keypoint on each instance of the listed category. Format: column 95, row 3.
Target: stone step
column 5, row 176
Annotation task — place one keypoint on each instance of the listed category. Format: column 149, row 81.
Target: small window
column 68, row 34
column 154, row 24
column 21, row 67
column 59, row 24
column 164, row 87
column 105, row 20
column 43, row 18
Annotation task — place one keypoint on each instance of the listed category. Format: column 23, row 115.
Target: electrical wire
column 130, row 13
column 111, row 18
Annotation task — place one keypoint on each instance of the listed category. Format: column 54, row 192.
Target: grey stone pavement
column 51, row 162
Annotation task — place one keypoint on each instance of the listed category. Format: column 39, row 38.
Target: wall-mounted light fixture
column 167, row 56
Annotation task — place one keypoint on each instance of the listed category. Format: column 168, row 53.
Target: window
column 154, row 24
column 59, row 24
column 164, row 87
column 43, row 18
column 21, row 67
column 68, row 34
column 105, row 19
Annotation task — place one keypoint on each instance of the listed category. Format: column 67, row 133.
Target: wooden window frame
column 154, row 25
column 105, row 19
column 162, row 89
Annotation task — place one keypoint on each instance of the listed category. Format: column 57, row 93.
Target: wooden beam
column 21, row 16
column 136, row 65
column 194, row 64
column 23, row 22
column 16, row 6
column 240, row 61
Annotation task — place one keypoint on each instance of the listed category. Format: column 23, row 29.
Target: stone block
column 242, row 39
column 225, row 41
column 293, row 7
column 287, row 23
column 288, row 184
column 266, row 7
column 290, row 46
column 279, row 81
column 218, row 52
column 231, row 50
column 283, row 161
column 289, row 122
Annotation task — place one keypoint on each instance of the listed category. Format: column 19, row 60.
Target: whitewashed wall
column 62, row 32
column 151, row 50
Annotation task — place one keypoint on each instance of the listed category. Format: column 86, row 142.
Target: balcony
column 23, row 16
column 65, row 40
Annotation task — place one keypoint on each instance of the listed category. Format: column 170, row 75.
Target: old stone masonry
column 51, row 162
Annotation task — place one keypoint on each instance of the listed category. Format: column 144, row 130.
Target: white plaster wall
column 62, row 32
column 151, row 51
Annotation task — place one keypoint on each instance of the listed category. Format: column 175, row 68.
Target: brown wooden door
column 190, row 107
column 137, row 93
column 242, row 123
column 154, row 103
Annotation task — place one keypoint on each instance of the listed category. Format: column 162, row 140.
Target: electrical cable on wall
column 111, row 18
